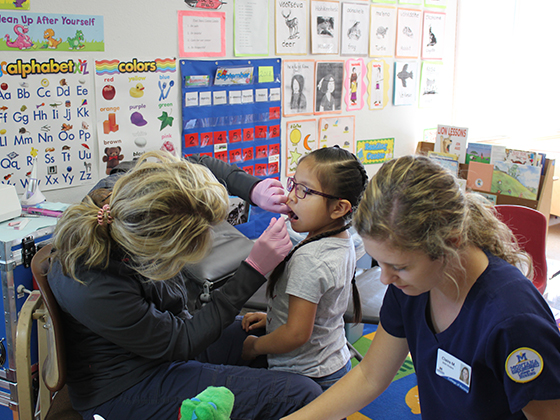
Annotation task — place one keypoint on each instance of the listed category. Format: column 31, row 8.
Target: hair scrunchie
column 101, row 213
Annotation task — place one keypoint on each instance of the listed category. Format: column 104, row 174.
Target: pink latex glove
column 269, row 195
column 271, row 247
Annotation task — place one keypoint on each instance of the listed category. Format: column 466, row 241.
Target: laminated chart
column 231, row 111
column 46, row 117
column 136, row 109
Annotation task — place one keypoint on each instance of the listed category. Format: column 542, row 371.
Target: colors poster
column 136, row 109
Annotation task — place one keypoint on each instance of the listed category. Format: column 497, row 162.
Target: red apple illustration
column 108, row 92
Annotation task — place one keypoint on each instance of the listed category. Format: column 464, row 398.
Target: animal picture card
column 355, row 29
column 354, row 82
column 337, row 131
column 409, row 33
column 433, row 35
column 329, row 76
column 298, row 84
column 379, row 81
column 405, row 85
column 301, row 139
column 452, row 139
column 383, row 20
column 430, row 84
column 325, row 27
column 291, row 27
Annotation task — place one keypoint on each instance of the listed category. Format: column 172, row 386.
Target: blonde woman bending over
column 133, row 349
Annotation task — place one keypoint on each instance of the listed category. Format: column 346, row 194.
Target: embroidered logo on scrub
column 524, row 365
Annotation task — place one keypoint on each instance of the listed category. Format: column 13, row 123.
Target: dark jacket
column 120, row 326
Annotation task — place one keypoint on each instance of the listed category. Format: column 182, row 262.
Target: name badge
column 454, row 370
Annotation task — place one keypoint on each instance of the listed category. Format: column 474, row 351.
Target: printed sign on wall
column 45, row 114
column 136, row 109
column 32, row 32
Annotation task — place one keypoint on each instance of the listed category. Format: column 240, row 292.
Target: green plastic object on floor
column 214, row 403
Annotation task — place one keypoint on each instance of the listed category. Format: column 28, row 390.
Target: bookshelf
column 543, row 202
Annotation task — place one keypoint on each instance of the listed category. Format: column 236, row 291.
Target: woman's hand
column 271, row 247
column 253, row 320
column 269, row 195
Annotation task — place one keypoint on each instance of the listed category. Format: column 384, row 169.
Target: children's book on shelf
column 451, row 139
column 447, row 160
column 516, row 180
column 479, row 152
column 523, row 157
column 480, row 175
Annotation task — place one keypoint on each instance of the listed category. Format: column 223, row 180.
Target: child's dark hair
column 342, row 175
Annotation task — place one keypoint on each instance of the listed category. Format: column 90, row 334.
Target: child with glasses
column 308, row 292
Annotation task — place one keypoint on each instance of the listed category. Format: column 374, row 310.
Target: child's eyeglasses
column 302, row 190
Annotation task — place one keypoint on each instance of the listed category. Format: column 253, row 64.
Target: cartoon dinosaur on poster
column 77, row 42
column 51, row 41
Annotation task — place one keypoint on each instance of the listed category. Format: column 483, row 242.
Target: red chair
column 530, row 228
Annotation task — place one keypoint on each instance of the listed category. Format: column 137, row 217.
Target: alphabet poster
column 45, row 113
column 136, row 109
column 298, row 78
column 405, row 83
column 325, row 27
column 301, row 140
column 291, row 27
column 355, row 29
column 409, row 33
column 32, row 32
column 382, row 34
column 434, row 30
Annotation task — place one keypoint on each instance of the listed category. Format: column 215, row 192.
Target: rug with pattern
column 400, row 400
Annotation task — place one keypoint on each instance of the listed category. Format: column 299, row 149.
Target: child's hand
column 249, row 352
column 253, row 320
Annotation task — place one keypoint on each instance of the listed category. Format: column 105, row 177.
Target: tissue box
column 11, row 206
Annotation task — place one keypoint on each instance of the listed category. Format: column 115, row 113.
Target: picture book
column 452, row 139
column 523, row 157
column 516, row 180
column 480, row 176
column 479, row 152
column 447, row 160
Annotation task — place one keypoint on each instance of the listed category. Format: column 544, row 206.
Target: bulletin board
column 231, row 111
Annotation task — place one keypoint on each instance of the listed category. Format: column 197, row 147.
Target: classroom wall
column 147, row 29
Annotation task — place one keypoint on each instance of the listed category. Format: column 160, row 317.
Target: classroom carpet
column 400, row 400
